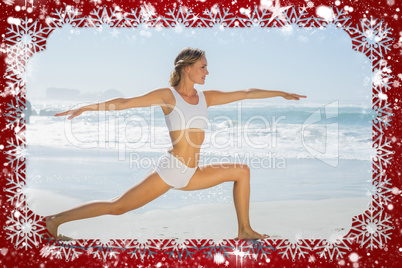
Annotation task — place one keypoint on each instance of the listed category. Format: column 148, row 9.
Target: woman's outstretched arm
column 155, row 97
column 215, row 97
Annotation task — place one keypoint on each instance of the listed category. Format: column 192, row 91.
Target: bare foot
column 251, row 234
column 51, row 226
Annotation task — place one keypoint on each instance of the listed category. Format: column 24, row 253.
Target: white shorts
column 174, row 172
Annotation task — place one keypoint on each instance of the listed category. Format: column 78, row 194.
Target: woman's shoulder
column 165, row 93
column 162, row 91
column 161, row 95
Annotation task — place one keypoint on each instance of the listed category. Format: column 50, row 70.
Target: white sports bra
column 185, row 115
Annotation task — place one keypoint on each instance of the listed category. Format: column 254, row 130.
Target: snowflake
column 317, row 22
column 299, row 18
column 148, row 11
column 383, row 192
column 109, row 16
column 177, row 248
column 331, row 250
column 384, row 153
column 182, row 16
column 371, row 228
column 383, row 114
column 17, row 59
column 371, row 37
column 22, row 42
column 382, row 77
column 28, row 35
column 14, row 114
column 262, row 17
column 341, row 19
column 381, row 83
column 241, row 249
column 136, row 18
column 141, row 250
column 383, row 111
column 70, row 250
column 14, row 189
column 43, row 11
column 69, row 15
column 211, row 248
column 218, row 15
column 299, row 248
column 14, row 83
column 16, row 154
column 255, row 248
column 259, row 16
column 23, row 228
column 277, row 13
column 109, row 249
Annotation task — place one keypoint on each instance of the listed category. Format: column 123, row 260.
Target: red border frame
column 389, row 256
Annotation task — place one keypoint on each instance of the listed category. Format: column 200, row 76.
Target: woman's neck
column 185, row 88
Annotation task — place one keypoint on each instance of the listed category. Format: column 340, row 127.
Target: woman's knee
column 243, row 171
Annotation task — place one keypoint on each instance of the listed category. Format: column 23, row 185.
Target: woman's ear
column 186, row 69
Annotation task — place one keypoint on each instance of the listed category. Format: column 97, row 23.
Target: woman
column 185, row 110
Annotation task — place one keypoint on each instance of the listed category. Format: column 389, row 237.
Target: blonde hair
column 187, row 57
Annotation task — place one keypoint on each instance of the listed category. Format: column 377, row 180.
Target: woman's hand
column 73, row 113
column 293, row 96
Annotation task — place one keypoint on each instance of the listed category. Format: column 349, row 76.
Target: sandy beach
column 292, row 219
column 307, row 199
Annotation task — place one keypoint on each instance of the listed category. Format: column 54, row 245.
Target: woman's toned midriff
column 186, row 145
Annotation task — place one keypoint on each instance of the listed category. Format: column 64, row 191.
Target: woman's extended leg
column 209, row 176
column 137, row 196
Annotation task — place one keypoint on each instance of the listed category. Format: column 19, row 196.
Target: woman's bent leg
column 137, row 196
column 209, row 176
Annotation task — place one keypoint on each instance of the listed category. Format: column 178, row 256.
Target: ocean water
column 296, row 151
column 334, row 130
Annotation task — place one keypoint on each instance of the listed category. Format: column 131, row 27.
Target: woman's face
column 198, row 71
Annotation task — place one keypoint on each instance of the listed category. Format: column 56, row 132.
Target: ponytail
column 174, row 78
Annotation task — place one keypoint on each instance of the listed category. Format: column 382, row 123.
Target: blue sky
column 318, row 63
